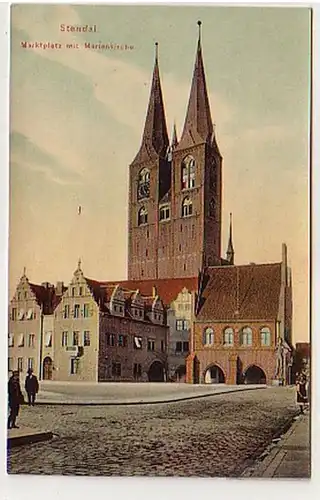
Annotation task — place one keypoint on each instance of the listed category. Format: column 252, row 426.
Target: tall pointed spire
column 155, row 136
column 174, row 141
column 230, row 250
column 198, row 123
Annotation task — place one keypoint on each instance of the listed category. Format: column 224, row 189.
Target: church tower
column 175, row 190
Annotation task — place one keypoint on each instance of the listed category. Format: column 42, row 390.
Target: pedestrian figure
column 15, row 397
column 301, row 387
column 32, row 386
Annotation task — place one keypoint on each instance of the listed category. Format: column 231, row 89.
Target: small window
column 30, row 363
column 179, row 346
column 11, row 340
column 186, row 207
column 66, row 311
column 188, row 173
column 246, row 336
column 64, row 340
column 19, row 295
column 137, row 371
column 86, row 311
column 151, row 345
column 31, row 340
column 122, row 341
column 116, row 369
column 73, row 291
column 144, row 184
column 182, row 324
column 20, row 364
column 110, row 339
column 48, row 339
column 10, row 364
column 164, row 213
column 208, row 336
column 76, row 312
column 74, row 366
column 14, row 314
column 80, row 291
column 265, row 336
column 29, row 314
column 162, row 345
column 137, row 342
column 185, row 347
column 75, row 339
column 228, row 337
column 21, row 315
column 21, row 340
column 86, row 338
column 142, row 216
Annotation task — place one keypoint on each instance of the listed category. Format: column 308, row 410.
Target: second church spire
column 198, row 123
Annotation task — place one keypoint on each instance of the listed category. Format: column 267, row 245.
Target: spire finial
column 157, row 51
column 199, row 24
column 24, row 271
column 79, row 264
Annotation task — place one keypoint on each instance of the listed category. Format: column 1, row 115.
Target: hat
column 30, row 370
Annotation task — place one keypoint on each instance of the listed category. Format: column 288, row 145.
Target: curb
column 28, row 438
column 272, row 455
column 132, row 403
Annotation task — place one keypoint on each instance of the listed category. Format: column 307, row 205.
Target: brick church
column 240, row 329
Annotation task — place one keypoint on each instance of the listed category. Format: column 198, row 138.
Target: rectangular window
column 178, row 346
column 75, row 338
column 86, row 311
column 182, row 324
column 21, row 340
column 185, row 346
column 14, row 314
column 116, row 369
column 151, row 345
column 66, row 311
column 11, row 340
column 48, row 339
column 137, row 342
column 73, row 292
column 137, row 371
column 86, row 338
column 80, row 291
column 110, row 339
column 76, row 311
column 29, row 314
column 64, row 340
column 21, row 315
column 31, row 340
column 30, row 363
column 162, row 345
column 74, row 366
column 20, row 364
column 10, row 364
column 122, row 341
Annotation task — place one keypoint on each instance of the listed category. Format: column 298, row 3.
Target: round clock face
column 144, row 190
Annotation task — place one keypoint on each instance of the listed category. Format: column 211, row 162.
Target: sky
column 77, row 116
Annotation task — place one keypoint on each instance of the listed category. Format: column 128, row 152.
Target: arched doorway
column 180, row 373
column 47, row 368
column 156, row 372
column 254, row 375
column 214, row 375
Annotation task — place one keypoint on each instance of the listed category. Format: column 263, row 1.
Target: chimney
column 46, row 285
column 59, row 288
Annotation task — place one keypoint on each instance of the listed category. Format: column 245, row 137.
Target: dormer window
column 144, row 184
column 186, row 207
column 164, row 213
column 188, row 171
column 142, row 216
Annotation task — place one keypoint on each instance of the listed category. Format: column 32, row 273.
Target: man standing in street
column 15, row 399
column 32, row 386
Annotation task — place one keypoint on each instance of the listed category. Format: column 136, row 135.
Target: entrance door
column 47, row 368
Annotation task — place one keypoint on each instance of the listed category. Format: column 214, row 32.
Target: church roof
column 248, row 292
column 198, row 126
column 155, row 140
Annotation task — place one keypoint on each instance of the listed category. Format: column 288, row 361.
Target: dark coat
column 15, row 395
column 31, row 384
column 302, row 392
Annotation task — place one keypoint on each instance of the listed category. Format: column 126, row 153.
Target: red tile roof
column 167, row 289
column 241, row 292
column 303, row 348
column 46, row 297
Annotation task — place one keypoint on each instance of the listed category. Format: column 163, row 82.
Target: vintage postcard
column 158, row 320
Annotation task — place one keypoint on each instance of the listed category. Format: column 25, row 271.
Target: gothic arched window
column 144, row 184
column 142, row 216
column 186, row 207
column 246, row 336
column 208, row 336
column 188, row 173
column 228, row 336
column 265, row 336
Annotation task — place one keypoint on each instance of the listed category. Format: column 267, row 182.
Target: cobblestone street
column 216, row 436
